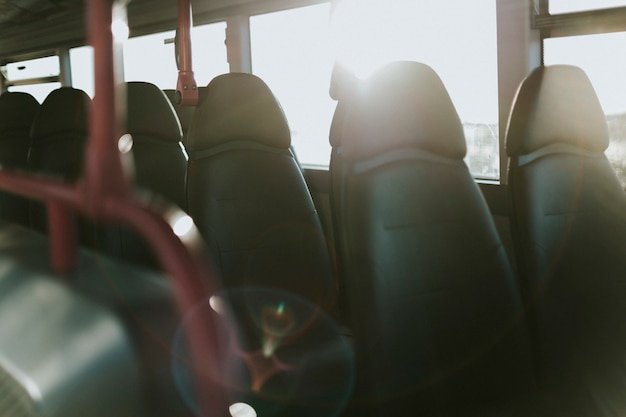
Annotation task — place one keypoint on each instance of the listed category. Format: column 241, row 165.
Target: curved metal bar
column 103, row 168
column 105, row 196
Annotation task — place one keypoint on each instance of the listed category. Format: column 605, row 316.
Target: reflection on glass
column 599, row 56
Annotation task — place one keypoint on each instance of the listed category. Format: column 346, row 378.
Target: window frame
column 588, row 22
column 582, row 23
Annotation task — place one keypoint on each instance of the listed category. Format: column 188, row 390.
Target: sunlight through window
column 599, row 56
column 291, row 52
column 457, row 38
column 151, row 58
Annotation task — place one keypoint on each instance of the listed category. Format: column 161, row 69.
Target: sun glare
column 120, row 30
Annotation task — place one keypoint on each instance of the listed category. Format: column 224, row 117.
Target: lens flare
column 125, row 143
column 242, row 410
column 183, row 225
column 120, row 30
column 285, row 362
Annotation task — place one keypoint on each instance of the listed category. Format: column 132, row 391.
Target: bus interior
column 316, row 208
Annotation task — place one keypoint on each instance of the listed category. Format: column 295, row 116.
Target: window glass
column 567, row 6
column 39, row 91
column 598, row 55
column 457, row 38
column 291, row 52
column 34, row 68
column 151, row 58
column 81, row 62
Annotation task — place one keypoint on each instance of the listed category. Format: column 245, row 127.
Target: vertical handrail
column 186, row 87
column 102, row 153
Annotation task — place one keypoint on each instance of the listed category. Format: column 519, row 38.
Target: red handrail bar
column 105, row 195
column 102, row 153
column 186, row 87
column 184, row 262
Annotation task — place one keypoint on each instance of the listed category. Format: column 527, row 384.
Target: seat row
column 441, row 325
column 236, row 176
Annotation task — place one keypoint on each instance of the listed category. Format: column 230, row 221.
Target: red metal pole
column 104, row 175
column 186, row 86
column 63, row 240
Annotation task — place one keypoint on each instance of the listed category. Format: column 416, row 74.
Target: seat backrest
column 248, row 197
column 58, row 138
column 160, row 162
column 569, row 219
column 247, row 194
column 17, row 112
column 336, row 175
column 435, row 311
column 159, row 166
column 184, row 113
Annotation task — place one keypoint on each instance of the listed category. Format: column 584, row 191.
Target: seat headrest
column 238, row 106
column 150, row 113
column 403, row 105
column 17, row 111
column 556, row 105
column 65, row 110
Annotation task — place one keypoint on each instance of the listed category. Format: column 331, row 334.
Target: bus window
column 568, row 6
column 457, row 38
column 31, row 69
column 599, row 56
column 81, row 63
column 151, row 58
column 35, row 76
column 291, row 52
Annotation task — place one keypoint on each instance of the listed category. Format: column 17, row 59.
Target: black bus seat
column 247, row 194
column 435, row 310
column 184, row 113
column 336, row 176
column 160, row 161
column 248, row 197
column 58, row 139
column 17, row 112
column 569, row 218
column 158, row 165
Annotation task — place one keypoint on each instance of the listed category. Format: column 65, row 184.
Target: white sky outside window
column 569, row 6
column 39, row 91
column 81, row 62
column 291, row 52
column 457, row 38
column 149, row 58
column 34, row 68
column 600, row 57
